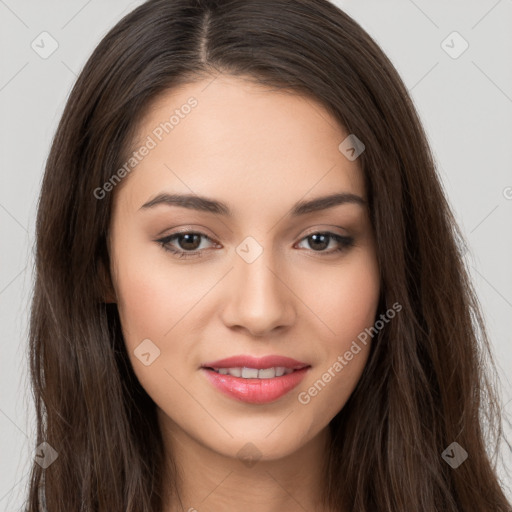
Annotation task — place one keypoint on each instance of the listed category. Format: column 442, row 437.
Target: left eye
column 189, row 243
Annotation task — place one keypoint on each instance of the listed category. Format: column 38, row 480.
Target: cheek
column 344, row 298
column 353, row 313
column 357, row 301
column 159, row 301
column 152, row 308
column 143, row 302
column 153, row 295
column 347, row 301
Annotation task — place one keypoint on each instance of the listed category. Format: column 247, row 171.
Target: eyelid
column 326, row 228
column 192, row 228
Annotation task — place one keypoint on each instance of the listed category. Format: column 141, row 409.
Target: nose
column 259, row 298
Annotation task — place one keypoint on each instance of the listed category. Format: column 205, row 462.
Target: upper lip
column 246, row 361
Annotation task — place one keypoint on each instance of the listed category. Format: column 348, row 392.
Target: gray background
column 465, row 104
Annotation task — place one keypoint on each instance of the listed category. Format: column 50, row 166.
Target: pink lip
column 255, row 391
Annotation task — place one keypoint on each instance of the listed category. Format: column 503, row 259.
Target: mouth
column 255, row 380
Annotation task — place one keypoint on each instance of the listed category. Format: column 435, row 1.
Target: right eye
column 185, row 239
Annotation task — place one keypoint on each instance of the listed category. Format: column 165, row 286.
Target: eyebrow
column 205, row 204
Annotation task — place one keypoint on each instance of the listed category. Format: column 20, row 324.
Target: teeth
column 249, row 373
column 268, row 373
column 255, row 373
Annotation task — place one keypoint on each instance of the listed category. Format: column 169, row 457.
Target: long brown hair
column 428, row 380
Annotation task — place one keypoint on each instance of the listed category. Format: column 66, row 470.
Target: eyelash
column 344, row 241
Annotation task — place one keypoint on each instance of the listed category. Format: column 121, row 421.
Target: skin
column 259, row 151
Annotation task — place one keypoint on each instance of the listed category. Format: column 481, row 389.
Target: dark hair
column 425, row 384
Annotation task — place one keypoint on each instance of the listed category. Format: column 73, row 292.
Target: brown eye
column 186, row 244
column 318, row 242
column 189, row 241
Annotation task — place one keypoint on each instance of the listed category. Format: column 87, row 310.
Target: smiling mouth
column 255, row 385
column 255, row 380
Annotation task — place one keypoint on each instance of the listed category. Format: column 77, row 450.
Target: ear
column 107, row 291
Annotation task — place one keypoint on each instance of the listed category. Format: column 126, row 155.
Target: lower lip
column 255, row 391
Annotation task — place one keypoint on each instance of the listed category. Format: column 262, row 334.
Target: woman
column 250, row 293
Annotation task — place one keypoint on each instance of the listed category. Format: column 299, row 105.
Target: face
column 240, row 305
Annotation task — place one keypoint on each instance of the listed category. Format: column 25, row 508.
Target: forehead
column 242, row 143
